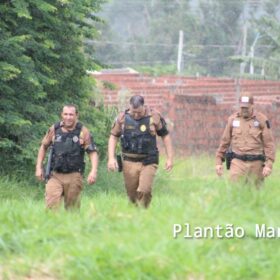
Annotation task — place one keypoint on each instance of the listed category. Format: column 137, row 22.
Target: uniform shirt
column 156, row 123
column 251, row 136
column 85, row 137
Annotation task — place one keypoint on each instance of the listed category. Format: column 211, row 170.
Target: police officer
column 70, row 140
column 249, row 134
column 137, row 129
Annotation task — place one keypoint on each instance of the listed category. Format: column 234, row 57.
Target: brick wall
column 196, row 109
column 198, row 121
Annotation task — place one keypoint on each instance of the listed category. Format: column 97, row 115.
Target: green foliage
column 269, row 28
column 109, row 85
column 220, row 30
column 42, row 66
column 145, row 34
column 109, row 238
column 263, row 33
column 156, row 70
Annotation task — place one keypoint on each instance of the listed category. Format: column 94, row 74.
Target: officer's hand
column 91, row 179
column 219, row 169
column 39, row 173
column 266, row 171
column 112, row 165
column 168, row 165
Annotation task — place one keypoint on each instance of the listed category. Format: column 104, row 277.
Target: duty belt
column 134, row 159
column 249, row 157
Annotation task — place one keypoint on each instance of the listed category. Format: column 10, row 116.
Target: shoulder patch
column 256, row 123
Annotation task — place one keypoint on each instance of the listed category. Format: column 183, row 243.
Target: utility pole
column 180, row 51
column 244, row 46
column 252, row 54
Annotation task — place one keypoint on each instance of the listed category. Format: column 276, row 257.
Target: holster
column 120, row 163
column 229, row 157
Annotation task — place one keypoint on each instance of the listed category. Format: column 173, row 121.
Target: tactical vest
column 136, row 137
column 68, row 154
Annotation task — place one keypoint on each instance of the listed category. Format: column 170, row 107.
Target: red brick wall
column 196, row 109
column 198, row 121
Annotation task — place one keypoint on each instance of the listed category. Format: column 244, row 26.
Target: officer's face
column 137, row 113
column 246, row 112
column 69, row 116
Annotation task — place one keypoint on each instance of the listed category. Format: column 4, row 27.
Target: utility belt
column 67, row 171
column 149, row 159
column 249, row 157
column 133, row 159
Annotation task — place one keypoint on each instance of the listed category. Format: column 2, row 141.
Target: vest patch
column 136, row 136
column 68, row 154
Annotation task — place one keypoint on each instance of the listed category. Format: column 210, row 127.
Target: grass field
column 111, row 239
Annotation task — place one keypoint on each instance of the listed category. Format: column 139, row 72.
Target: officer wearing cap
column 69, row 140
column 248, row 134
column 137, row 128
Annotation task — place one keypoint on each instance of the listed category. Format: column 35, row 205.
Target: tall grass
column 111, row 239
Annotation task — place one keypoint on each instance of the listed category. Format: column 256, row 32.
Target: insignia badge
column 75, row 139
column 256, row 124
column 245, row 99
column 58, row 138
column 143, row 128
column 236, row 123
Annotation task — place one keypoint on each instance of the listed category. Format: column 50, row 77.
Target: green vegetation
column 111, row 239
column 43, row 66
column 218, row 36
column 43, row 63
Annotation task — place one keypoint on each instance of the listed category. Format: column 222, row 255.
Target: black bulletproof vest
column 136, row 137
column 68, row 154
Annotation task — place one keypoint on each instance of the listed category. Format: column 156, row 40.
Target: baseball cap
column 246, row 99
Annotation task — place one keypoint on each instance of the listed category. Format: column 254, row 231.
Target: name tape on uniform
column 236, row 123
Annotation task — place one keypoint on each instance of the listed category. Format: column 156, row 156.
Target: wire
column 166, row 45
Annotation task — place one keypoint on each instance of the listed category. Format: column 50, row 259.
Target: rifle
column 120, row 164
column 48, row 166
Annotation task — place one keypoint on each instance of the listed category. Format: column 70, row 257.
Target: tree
column 268, row 27
column 220, row 35
column 262, row 56
column 42, row 66
column 146, row 33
